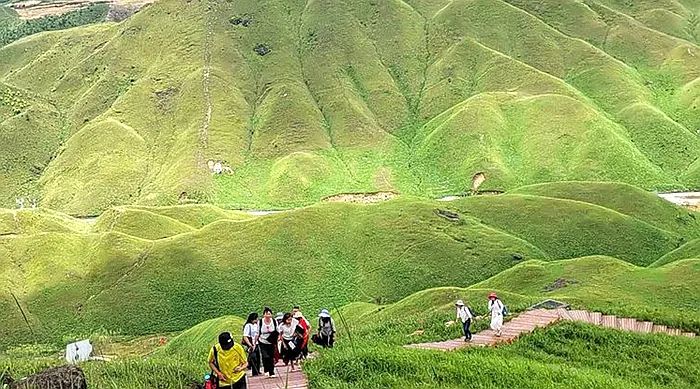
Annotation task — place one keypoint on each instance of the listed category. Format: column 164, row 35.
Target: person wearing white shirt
column 464, row 316
column 496, row 309
column 251, row 330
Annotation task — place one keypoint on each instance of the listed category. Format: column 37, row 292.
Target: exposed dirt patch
column 361, row 198
column 559, row 283
column 164, row 98
column 63, row 377
column 449, row 215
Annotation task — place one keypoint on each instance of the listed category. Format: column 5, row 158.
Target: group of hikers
column 496, row 309
column 265, row 341
column 286, row 336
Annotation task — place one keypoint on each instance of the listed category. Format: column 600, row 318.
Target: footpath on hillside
column 539, row 318
column 285, row 378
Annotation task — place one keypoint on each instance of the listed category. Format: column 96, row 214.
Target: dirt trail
column 203, row 135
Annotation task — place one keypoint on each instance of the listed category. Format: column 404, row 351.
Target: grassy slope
column 601, row 283
column 688, row 250
column 140, row 223
column 569, row 355
column 568, row 229
column 343, row 105
column 196, row 342
column 406, row 247
column 624, row 199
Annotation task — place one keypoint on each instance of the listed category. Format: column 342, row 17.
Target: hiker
column 250, row 338
column 267, row 341
column 464, row 316
column 278, row 317
column 304, row 324
column 296, row 309
column 228, row 361
column 326, row 330
column 291, row 339
column 496, row 309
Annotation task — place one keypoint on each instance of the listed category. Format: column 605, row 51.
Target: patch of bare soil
column 62, row 377
column 559, row 283
column 361, row 198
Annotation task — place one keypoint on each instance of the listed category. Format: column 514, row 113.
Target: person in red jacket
column 303, row 323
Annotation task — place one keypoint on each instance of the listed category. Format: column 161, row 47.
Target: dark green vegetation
column 413, row 96
column 12, row 28
column 163, row 260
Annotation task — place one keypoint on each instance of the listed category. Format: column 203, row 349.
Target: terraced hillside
column 72, row 276
column 308, row 99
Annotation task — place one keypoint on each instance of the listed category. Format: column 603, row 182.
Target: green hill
column 687, row 251
column 305, row 101
column 559, row 357
column 406, row 245
column 624, row 199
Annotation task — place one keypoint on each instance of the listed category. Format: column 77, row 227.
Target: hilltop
column 302, row 101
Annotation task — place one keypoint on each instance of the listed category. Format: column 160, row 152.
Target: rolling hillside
column 163, row 259
column 304, row 100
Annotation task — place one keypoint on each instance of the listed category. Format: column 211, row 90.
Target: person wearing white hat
column 464, row 316
column 326, row 330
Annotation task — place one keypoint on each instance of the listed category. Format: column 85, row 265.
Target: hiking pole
column 24, row 316
column 347, row 328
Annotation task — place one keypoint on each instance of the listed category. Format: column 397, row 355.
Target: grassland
column 572, row 356
column 163, row 260
column 413, row 97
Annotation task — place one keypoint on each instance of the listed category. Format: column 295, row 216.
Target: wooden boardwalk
column 285, row 379
column 530, row 320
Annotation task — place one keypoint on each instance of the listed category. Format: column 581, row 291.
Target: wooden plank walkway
column 285, row 379
column 527, row 321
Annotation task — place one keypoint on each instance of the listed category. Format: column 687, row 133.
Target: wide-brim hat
column 459, row 303
column 493, row 295
column 298, row 315
column 324, row 313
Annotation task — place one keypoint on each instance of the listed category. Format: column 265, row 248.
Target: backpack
column 505, row 310
column 211, row 380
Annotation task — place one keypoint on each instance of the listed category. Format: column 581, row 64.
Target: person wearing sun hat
column 496, row 308
column 228, row 361
column 326, row 330
column 464, row 316
column 304, row 324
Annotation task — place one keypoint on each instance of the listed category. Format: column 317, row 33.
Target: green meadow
column 578, row 112
column 407, row 96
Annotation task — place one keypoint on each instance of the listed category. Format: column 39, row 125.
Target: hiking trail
column 285, row 378
column 540, row 318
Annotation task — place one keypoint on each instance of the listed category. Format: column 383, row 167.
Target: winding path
column 540, row 318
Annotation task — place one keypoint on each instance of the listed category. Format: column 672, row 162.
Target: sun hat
column 225, row 340
column 279, row 316
column 298, row 315
column 459, row 303
column 492, row 295
column 324, row 313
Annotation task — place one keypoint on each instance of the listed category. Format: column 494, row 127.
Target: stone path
column 286, row 379
column 530, row 320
